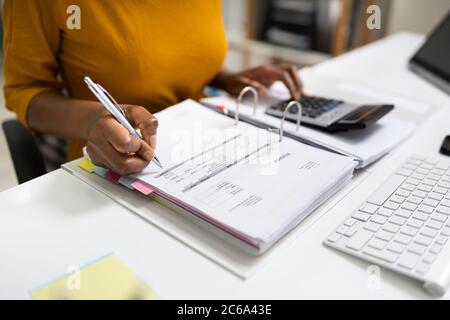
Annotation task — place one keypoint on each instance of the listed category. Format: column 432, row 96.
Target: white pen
column 113, row 107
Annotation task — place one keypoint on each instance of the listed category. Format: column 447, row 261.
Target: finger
column 142, row 119
column 96, row 156
column 293, row 73
column 123, row 141
column 284, row 76
column 262, row 89
column 120, row 163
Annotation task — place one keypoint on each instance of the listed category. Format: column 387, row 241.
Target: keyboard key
column 446, row 231
column 379, row 219
column 436, row 196
column 422, row 190
column 341, row 229
column 414, row 223
column 392, row 228
column 441, row 240
column 377, row 244
column 409, row 231
column 420, row 216
column 403, row 213
column 391, row 205
column 444, row 184
column 408, row 187
column 408, row 260
column 436, row 248
column 397, row 220
column 350, row 232
column 425, row 209
column 384, row 235
column 445, row 203
column 429, row 182
column 358, row 241
column 418, row 176
column 431, row 202
column 372, row 226
column 385, row 212
column 397, row 199
column 433, row 176
column 422, row 171
column 414, row 182
column 426, row 166
column 431, row 233
column 361, row 216
column 420, row 194
column 385, row 255
column 369, row 208
column 334, row 237
column 415, row 200
column 403, row 239
column 402, row 193
column 409, row 206
column 425, row 241
column 423, row 268
column 439, row 217
column 350, row 222
column 385, row 191
column 396, row 247
column 429, row 258
column 440, row 190
column 431, row 161
column 417, row 249
column 433, row 224
column 443, row 210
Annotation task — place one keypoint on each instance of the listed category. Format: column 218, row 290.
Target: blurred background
column 303, row 32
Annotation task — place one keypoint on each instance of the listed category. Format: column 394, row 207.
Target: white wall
column 415, row 15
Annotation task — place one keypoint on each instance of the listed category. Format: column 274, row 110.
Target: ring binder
column 239, row 99
column 299, row 116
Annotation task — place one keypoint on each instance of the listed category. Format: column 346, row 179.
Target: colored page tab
column 112, row 176
column 100, row 171
column 143, row 187
column 107, row 278
column 127, row 182
column 87, row 165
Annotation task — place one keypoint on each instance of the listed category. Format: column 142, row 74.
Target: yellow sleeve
column 31, row 42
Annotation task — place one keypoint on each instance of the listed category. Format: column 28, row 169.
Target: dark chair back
column 27, row 159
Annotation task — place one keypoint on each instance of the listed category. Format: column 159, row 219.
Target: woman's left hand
column 261, row 78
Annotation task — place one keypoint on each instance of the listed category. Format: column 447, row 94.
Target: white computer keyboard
column 405, row 224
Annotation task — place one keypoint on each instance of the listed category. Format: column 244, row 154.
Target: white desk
column 56, row 221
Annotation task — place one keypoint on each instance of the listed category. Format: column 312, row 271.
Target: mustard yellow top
column 152, row 53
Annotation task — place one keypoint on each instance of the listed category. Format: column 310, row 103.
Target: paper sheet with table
column 241, row 179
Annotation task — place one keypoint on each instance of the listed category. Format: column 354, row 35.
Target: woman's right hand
column 111, row 145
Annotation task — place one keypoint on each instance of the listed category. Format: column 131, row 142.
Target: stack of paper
column 240, row 181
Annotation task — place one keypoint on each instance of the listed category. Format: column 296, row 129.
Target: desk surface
column 57, row 221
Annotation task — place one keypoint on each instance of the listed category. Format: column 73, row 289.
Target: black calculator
column 331, row 115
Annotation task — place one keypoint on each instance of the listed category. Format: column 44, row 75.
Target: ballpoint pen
column 113, row 107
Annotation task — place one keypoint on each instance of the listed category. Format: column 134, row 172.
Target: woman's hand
column 261, row 78
column 111, row 145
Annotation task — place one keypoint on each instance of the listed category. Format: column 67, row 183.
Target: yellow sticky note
column 107, row 279
column 87, row 165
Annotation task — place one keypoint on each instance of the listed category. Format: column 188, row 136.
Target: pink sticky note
column 112, row 176
column 143, row 187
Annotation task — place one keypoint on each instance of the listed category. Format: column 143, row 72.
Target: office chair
column 27, row 159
